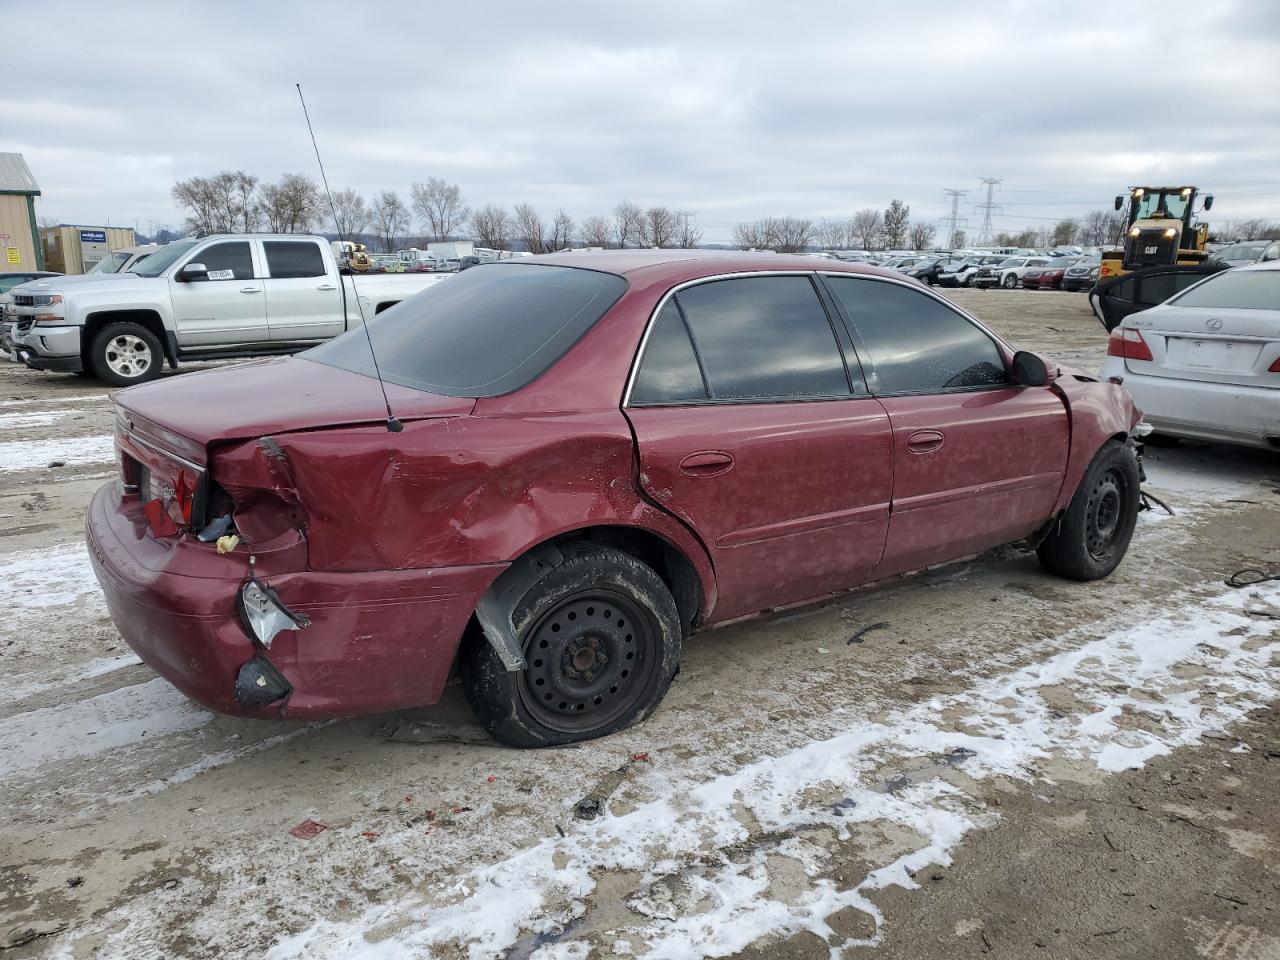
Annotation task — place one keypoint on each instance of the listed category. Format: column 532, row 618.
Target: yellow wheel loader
column 1159, row 231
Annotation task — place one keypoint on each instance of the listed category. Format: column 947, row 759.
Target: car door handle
column 706, row 463
column 326, row 287
column 250, row 289
column 924, row 441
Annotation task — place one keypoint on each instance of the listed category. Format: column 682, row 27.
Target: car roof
column 680, row 265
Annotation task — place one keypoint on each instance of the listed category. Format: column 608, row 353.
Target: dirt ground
column 977, row 759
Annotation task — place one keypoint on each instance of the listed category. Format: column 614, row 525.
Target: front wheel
column 1009, row 281
column 125, row 353
column 1091, row 537
column 601, row 639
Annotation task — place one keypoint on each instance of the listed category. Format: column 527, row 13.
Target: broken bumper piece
column 375, row 640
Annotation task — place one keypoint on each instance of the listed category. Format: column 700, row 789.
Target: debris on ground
column 20, row 936
column 309, row 829
column 593, row 804
column 862, row 634
column 405, row 730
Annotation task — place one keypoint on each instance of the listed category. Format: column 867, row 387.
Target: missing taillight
column 1128, row 343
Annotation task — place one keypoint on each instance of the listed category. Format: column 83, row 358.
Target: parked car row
column 1043, row 270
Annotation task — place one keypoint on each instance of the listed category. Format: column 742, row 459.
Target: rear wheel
column 1009, row 281
column 125, row 353
column 1091, row 537
column 601, row 638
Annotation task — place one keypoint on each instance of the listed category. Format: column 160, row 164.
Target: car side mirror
column 193, row 271
column 1120, row 203
column 1030, row 370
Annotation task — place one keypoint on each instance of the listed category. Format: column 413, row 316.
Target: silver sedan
column 1205, row 364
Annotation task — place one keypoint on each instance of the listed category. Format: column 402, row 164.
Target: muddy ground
column 1007, row 763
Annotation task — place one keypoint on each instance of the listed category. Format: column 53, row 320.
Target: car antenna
column 393, row 424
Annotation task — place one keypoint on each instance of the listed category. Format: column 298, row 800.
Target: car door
column 228, row 307
column 303, row 301
column 1120, row 297
column 752, row 429
column 978, row 460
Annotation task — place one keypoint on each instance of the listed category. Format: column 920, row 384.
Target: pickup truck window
column 293, row 259
column 233, row 255
column 484, row 332
column 163, row 259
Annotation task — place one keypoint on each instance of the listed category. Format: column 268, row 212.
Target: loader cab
column 1159, row 230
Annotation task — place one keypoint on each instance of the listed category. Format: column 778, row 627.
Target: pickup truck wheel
column 1009, row 281
column 126, row 353
column 601, row 637
column 1091, row 538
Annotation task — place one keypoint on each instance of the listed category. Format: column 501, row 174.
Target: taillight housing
column 1128, row 343
column 1275, row 366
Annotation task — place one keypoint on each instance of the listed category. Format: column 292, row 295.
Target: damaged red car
column 592, row 456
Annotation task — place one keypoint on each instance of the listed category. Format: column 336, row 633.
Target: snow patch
column 86, row 728
column 1135, row 708
column 20, row 455
column 47, row 577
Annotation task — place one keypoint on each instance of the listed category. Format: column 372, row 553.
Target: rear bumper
column 377, row 641
column 1203, row 411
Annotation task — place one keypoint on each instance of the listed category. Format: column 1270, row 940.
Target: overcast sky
column 731, row 110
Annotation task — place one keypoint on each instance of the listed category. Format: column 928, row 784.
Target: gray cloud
column 732, row 110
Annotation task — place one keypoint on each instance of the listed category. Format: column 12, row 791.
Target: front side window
column 669, row 371
column 485, row 332
column 1240, row 289
column 916, row 343
column 762, row 338
column 227, row 261
column 293, row 259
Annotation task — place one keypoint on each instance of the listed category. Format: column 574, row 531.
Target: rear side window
column 480, row 333
column 669, row 371
column 916, row 343
column 764, row 338
column 291, row 260
column 1240, row 289
column 227, row 261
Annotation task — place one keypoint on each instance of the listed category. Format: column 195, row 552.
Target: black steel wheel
column 601, row 639
column 1091, row 537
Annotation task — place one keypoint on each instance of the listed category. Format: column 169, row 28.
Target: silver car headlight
column 263, row 613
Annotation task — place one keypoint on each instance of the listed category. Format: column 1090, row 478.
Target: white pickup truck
column 237, row 295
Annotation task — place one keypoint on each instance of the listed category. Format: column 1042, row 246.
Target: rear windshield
column 480, row 333
column 1244, row 289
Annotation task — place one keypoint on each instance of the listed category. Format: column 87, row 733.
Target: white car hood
column 86, row 283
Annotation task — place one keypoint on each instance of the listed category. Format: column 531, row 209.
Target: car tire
column 968, row 282
column 1090, row 538
column 601, row 636
column 125, row 353
column 1009, row 281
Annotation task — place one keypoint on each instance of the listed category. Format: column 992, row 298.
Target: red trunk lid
column 266, row 397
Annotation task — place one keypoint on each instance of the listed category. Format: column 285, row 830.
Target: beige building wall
column 64, row 253
column 15, row 235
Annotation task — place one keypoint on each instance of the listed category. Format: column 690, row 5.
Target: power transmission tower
column 954, row 221
column 988, row 208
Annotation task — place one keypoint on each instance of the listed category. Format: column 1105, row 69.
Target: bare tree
column 596, row 231
column 959, row 239
column 658, row 227
column 866, row 226
column 896, row 216
column 627, row 226
column 250, row 214
column 922, row 235
column 689, row 234
column 751, row 236
column 389, row 218
column 440, row 206
column 530, row 229
column 1101, row 227
column 831, row 234
column 1064, row 232
column 212, row 204
column 352, row 214
column 561, row 230
column 491, row 226
column 290, row 206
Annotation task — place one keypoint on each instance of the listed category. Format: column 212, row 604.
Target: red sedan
column 1046, row 278
column 593, row 456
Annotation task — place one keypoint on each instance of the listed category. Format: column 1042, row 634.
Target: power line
column 955, row 220
column 988, row 208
